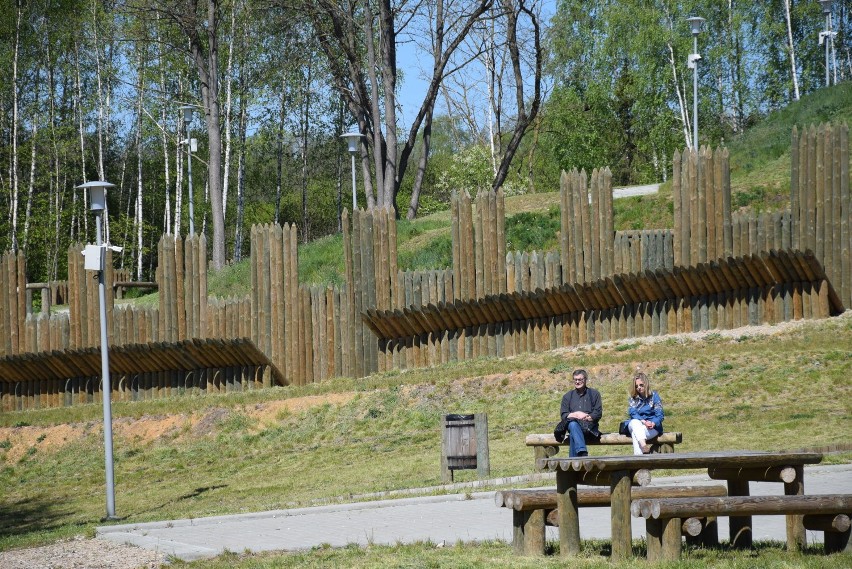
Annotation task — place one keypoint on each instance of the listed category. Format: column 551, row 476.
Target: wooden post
column 739, row 526
column 534, row 532
column 569, row 520
column 483, row 462
column 622, row 535
column 796, row 536
column 519, row 519
column 671, row 539
column 654, row 532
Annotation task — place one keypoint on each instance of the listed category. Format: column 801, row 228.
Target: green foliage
column 436, row 254
column 533, row 231
column 321, row 261
column 232, row 280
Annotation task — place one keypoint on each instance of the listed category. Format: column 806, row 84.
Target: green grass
column 223, row 454
column 766, row 555
column 760, row 157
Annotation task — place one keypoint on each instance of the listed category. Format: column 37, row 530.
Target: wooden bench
column 664, row 517
column 545, row 445
column 533, row 509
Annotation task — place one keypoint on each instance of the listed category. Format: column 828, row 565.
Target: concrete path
column 449, row 519
column 635, row 191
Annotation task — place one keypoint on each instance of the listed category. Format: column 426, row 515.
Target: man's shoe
column 583, row 453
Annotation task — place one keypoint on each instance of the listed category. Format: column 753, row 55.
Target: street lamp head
column 695, row 22
column 187, row 113
column 352, row 139
column 97, row 194
column 826, row 6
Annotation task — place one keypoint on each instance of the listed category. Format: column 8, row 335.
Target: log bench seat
column 533, row 509
column 664, row 517
column 545, row 445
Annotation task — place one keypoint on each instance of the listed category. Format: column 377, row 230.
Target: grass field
column 196, row 456
column 498, row 554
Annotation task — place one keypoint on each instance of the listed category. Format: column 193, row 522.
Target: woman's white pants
column 640, row 434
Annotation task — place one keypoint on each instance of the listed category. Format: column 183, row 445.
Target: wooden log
column 641, row 477
column 692, row 527
column 532, row 530
column 671, row 539
column 838, row 542
column 772, row 474
column 620, row 508
column 605, row 439
column 697, row 460
column 654, row 538
column 796, row 536
column 599, row 497
column 739, row 528
column 569, row 521
column 736, row 506
column 837, row 523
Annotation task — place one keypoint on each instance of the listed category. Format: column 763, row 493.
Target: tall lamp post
column 695, row 23
column 95, row 260
column 825, row 37
column 353, row 139
column 190, row 147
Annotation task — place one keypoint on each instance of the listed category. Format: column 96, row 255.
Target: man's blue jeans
column 577, row 439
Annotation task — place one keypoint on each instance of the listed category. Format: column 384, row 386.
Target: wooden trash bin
column 464, row 444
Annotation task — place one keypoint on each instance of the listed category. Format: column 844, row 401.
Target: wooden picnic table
column 741, row 466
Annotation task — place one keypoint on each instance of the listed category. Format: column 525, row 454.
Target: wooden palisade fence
column 715, row 269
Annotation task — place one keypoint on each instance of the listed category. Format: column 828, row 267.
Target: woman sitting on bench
column 645, row 410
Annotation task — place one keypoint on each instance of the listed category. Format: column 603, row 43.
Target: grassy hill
column 783, row 387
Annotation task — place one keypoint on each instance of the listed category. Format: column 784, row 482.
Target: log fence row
column 715, row 269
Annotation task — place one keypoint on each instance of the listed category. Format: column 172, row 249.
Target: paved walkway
column 635, row 191
column 449, row 519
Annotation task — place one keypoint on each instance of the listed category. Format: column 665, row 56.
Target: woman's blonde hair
column 643, row 377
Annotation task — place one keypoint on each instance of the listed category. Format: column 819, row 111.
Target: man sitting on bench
column 580, row 411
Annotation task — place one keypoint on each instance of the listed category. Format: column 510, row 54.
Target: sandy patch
column 15, row 442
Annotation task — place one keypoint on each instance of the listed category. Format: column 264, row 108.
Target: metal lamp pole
column 695, row 23
column 95, row 259
column 825, row 36
column 187, row 118
column 352, row 139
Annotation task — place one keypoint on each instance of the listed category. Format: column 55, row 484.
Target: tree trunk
column 207, row 65
column 524, row 118
column 378, row 144
column 684, row 111
column 792, row 50
column 279, row 150
column 167, row 210
column 228, row 80
column 101, row 111
column 305, row 128
column 13, row 203
column 33, row 141
column 137, row 218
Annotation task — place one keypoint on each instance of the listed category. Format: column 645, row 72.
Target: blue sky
column 410, row 59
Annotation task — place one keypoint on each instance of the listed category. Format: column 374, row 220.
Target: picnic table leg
column 620, row 493
column 838, row 542
column 740, row 526
column 569, row 519
column 671, row 539
column 529, row 532
column 796, row 536
column 654, row 539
